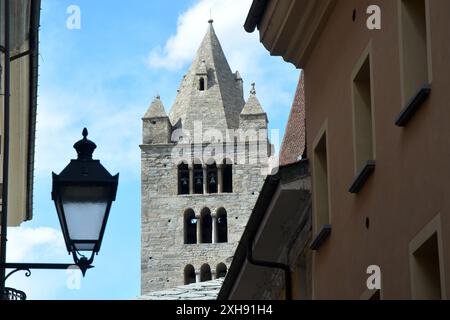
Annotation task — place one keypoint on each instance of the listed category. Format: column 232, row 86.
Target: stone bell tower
column 202, row 168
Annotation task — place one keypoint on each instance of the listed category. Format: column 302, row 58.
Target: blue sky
column 104, row 76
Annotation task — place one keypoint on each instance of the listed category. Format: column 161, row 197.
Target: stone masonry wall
column 156, row 130
column 164, row 254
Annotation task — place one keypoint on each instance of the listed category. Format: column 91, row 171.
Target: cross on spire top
column 253, row 90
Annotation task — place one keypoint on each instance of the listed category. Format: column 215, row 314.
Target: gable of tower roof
column 202, row 69
column 156, row 109
column 253, row 106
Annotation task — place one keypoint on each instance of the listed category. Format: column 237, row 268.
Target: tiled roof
column 207, row 290
column 294, row 141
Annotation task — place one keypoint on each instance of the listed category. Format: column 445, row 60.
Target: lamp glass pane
column 84, row 209
column 84, row 246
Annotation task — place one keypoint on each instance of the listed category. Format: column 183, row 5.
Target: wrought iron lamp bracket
column 26, row 269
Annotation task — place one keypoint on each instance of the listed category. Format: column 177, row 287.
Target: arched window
column 205, row 273
column 201, row 84
column 222, row 226
column 227, row 176
column 206, row 226
column 211, row 174
column 221, row 270
column 190, row 227
column 189, row 274
column 198, row 177
column 183, row 178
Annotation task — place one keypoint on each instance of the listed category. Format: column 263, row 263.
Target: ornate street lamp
column 83, row 193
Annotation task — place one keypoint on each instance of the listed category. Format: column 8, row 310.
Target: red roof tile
column 294, row 140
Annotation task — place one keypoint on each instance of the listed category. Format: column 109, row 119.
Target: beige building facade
column 377, row 110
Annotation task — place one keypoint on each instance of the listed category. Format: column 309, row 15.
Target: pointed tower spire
column 253, row 115
column 156, row 109
column 210, row 92
column 252, row 107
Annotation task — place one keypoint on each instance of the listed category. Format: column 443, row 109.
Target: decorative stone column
column 191, row 179
column 213, row 275
column 204, row 180
column 214, row 228
column 220, row 178
column 199, row 229
column 197, row 276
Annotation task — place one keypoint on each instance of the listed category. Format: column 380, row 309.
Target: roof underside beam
column 290, row 28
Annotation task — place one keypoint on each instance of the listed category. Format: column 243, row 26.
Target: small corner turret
column 253, row 115
column 156, row 124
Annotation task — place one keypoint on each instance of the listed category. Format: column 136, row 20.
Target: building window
column 189, row 274
column 183, row 178
column 222, row 226
column 205, row 273
column 198, row 178
column 211, row 177
column 201, row 85
column 425, row 273
column 414, row 41
column 320, row 183
column 221, row 270
column 206, row 226
column 227, row 172
column 190, row 227
column 362, row 114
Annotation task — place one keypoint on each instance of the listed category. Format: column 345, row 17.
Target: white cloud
column 27, row 244
column 41, row 244
column 115, row 131
column 228, row 20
